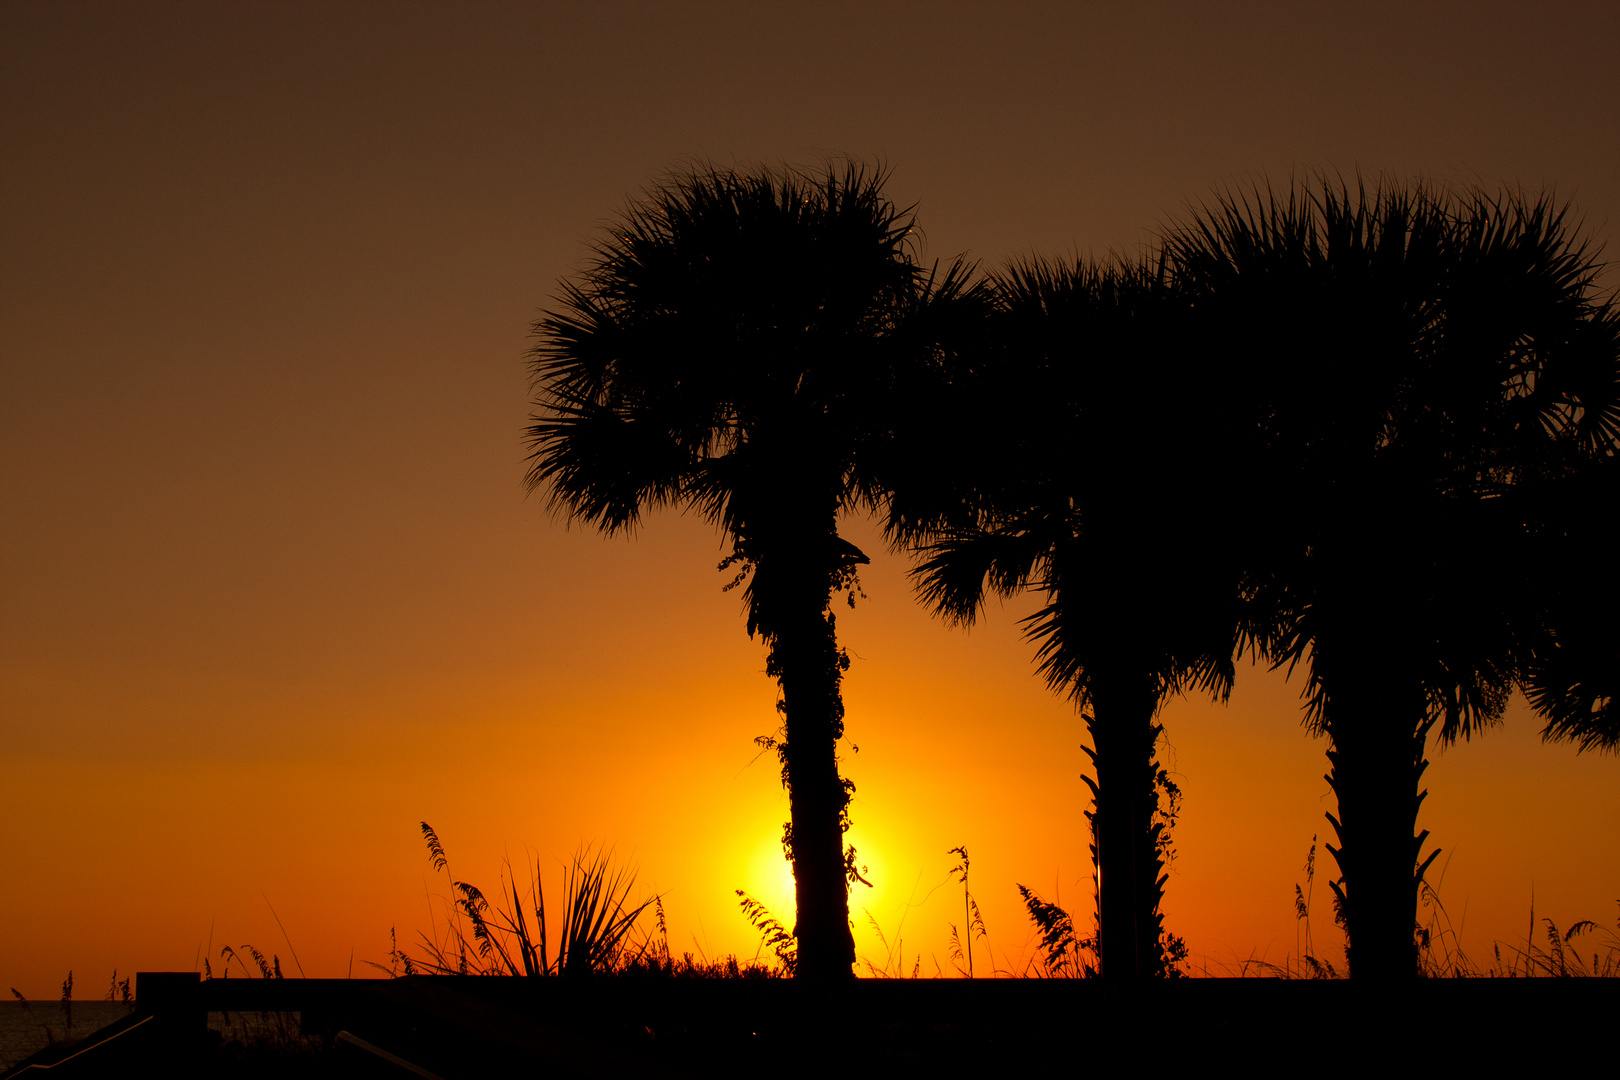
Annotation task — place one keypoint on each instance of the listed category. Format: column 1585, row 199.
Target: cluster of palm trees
column 1383, row 422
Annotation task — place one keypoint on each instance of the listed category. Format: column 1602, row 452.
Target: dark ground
column 466, row 1027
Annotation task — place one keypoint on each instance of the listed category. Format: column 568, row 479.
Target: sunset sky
column 272, row 592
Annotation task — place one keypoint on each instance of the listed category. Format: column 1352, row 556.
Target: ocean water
column 25, row 1030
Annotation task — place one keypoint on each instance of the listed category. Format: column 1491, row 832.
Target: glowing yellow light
column 770, row 879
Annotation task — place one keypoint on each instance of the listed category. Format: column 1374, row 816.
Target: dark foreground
column 465, row 1027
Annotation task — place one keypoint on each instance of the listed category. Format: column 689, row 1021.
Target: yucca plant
column 479, row 938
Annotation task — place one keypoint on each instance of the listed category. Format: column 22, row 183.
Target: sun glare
column 769, row 876
column 770, row 879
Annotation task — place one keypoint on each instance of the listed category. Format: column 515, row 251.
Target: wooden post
column 174, row 999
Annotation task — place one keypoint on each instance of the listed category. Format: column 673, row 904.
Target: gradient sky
column 272, row 592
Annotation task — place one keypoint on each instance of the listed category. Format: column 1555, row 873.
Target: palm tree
column 1426, row 364
column 1103, row 421
column 1572, row 673
column 734, row 348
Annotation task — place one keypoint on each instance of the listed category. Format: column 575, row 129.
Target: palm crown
column 1118, row 421
column 1430, row 369
column 725, row 351
column 736, row 346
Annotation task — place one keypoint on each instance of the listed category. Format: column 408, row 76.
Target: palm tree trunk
column 1377, row 763
column 1130, row 883
column 808, row 666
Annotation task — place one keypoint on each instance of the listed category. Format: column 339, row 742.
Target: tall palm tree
column 1425, row 364
column 1100, row 478
column 1572, row 671
column 733, row 348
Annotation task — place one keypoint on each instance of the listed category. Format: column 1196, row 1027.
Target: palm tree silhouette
column 1572, row 675
column 1428, row 365
column 1116, row 421
column 734, row 348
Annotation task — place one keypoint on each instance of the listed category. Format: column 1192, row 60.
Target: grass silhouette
column 773, row 935
column 1062, row 954
column 1439, row 944
column 601, row 933
column 598, row 931
column 633, row 1006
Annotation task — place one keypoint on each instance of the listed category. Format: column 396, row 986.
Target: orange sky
column 272, row 593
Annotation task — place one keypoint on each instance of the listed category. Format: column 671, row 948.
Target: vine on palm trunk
column 739, row 347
